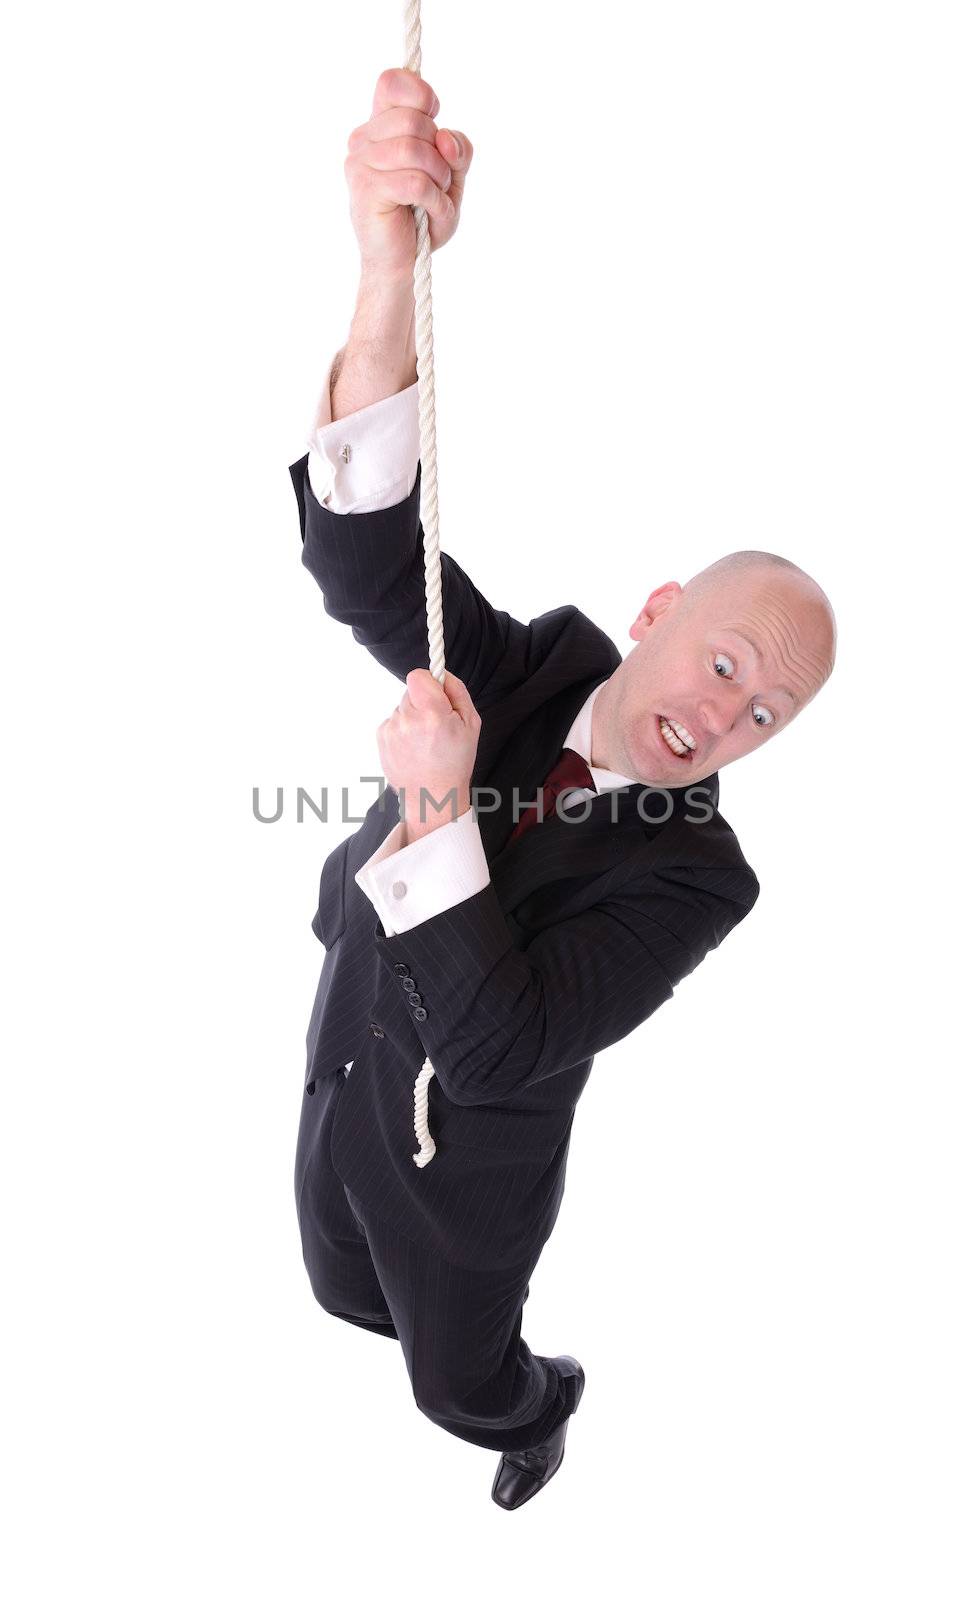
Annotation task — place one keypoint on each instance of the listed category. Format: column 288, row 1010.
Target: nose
column 717, row 718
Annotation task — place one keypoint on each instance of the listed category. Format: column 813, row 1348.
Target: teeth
column 684, row 735
column 676, row 737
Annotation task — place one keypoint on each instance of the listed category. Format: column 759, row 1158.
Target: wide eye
column 762, row 716
column 724, row 666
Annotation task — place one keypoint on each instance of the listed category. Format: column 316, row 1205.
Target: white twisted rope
column 429, row 499
column 420, row 1120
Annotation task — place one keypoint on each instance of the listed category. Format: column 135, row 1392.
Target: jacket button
column 420, row 1013
column 374, row 1028
column 401, row 968
column 414, row 999
column 408, row 983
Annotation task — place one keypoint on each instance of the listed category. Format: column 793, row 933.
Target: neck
column 600, row 755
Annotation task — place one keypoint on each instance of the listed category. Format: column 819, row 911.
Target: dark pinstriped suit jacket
column 583, row 931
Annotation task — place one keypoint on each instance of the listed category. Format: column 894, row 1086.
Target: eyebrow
column 760, row 659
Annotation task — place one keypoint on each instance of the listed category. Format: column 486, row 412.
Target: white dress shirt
column 367, row 462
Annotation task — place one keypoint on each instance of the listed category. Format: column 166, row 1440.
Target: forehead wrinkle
column 785, row 626
column 792, row 654
column 803, row 656
column 784, row 637
column 801, row 652
column 800, row 661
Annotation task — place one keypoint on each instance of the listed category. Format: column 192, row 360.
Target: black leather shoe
column 521, row 1473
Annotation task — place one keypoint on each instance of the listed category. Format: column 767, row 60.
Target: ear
column 657, row 603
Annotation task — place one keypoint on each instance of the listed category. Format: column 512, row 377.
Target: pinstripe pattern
column 460, row 1328
column 584, row 930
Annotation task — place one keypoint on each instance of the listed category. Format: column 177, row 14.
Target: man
column 546, row 865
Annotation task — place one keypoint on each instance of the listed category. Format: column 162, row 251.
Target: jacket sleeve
column 370, row 567
column 494, row 1019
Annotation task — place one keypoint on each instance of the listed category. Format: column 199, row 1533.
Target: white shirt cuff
column 368, row 460
column 408, row 883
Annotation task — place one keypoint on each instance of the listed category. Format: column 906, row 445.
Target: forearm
column 378, row 359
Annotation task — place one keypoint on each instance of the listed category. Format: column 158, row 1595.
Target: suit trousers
column 471, row 1371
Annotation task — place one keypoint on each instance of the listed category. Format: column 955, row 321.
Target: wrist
column 389, row 279
column 423, row 818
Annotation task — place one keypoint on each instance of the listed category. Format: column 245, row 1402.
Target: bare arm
column 379, row 356
column 397, row 160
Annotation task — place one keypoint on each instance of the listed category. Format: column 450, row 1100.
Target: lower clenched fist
column 429, row 744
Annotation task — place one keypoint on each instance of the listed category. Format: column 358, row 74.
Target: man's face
column 719, row 669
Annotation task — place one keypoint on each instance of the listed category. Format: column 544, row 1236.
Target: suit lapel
column 618, row 826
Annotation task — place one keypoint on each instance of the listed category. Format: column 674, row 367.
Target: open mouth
column 676, row 738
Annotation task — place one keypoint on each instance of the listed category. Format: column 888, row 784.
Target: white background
column 701, row 298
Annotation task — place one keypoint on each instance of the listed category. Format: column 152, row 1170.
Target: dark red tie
column 570, row 771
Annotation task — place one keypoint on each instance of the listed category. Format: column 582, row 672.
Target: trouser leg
column 334, row 1246
column 471, row 1371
